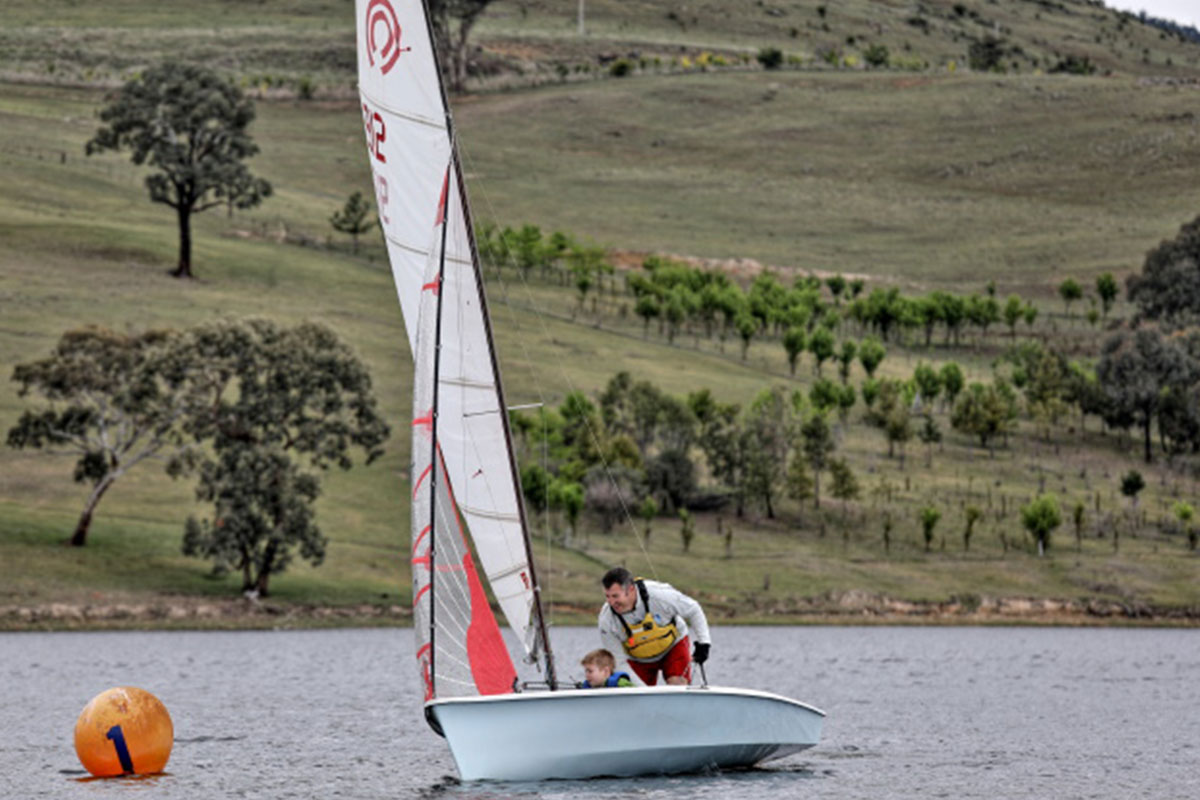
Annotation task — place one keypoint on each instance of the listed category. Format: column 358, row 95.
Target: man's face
column 621, row 598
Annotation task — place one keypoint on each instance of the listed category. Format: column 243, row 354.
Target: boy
column 598, row 667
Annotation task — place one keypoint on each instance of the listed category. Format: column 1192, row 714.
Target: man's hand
column 700, row 653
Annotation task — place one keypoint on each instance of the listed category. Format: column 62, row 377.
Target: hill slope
column 929, row 180
column 283, row 47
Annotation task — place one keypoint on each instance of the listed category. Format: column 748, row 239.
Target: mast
column 433, row 451
column 487, row 321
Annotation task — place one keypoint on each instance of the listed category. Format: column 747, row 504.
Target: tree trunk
column 1146, row 430
column 464, row 31
column 79, row 537
column 264, row 570
column 184, row 215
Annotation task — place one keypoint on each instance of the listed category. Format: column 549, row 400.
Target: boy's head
column 598, row 666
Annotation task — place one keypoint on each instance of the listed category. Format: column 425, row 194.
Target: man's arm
column 698, row 625
column 693, row 614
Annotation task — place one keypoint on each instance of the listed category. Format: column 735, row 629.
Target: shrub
column 620, row 68
column 770, row 57
column 986, row 54
column 876, row 55
column 1075, row 65
column 306, row 88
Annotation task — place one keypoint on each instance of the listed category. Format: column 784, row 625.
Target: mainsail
column 458, row 402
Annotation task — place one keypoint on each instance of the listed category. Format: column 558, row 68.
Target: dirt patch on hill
column 741, row 269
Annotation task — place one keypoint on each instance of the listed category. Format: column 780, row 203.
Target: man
column 651, row 622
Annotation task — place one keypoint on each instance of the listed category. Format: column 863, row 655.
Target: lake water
column 913, row 713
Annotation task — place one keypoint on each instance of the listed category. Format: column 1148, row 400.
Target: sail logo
column 383, row 35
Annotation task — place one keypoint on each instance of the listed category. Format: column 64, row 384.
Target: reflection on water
column 913, row 712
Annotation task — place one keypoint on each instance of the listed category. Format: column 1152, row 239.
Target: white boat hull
column 621, row 732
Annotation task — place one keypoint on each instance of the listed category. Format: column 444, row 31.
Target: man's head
column 598, row 666
column 619, row 590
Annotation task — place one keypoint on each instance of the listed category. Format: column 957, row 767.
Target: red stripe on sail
column 421, row 593
column 423, row 655
column 425, row 561
column 491, row 665
column 420, row 480
column 441, row 215
column 424, row 532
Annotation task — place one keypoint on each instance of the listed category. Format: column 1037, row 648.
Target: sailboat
column 465, row 486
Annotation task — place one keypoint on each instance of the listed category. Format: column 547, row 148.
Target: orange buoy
column 124, row 731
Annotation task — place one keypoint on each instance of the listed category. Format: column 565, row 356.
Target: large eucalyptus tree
column 191, row 126
column 112, row 400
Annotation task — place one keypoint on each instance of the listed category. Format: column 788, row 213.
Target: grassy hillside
column 1035, row 35
column 276, row 46
column 929, row 180
column 926, row 181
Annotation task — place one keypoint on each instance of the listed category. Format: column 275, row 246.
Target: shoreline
column 851, row 608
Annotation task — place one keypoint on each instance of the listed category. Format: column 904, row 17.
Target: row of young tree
column 810, row 316
column 255, row 411
column 1147, row 375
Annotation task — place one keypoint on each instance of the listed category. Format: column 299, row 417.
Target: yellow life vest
column 647, row 639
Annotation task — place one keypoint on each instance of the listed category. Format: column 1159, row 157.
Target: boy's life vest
column 647, row 639
column 621, row 679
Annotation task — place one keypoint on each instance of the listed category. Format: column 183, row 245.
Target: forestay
column 417, row 184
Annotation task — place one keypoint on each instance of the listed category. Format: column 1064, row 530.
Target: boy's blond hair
column 600, row 658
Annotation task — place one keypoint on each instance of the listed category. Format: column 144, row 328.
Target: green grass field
column 933, row 180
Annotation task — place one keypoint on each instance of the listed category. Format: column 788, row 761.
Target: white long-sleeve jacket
column 667, row 604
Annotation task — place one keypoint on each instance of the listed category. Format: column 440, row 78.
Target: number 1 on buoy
column 124, row 731
column 118, row 739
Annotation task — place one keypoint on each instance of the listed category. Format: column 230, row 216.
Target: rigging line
column 543, row 402
column 458, row 287
column 532, row 304
column 539, row 614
